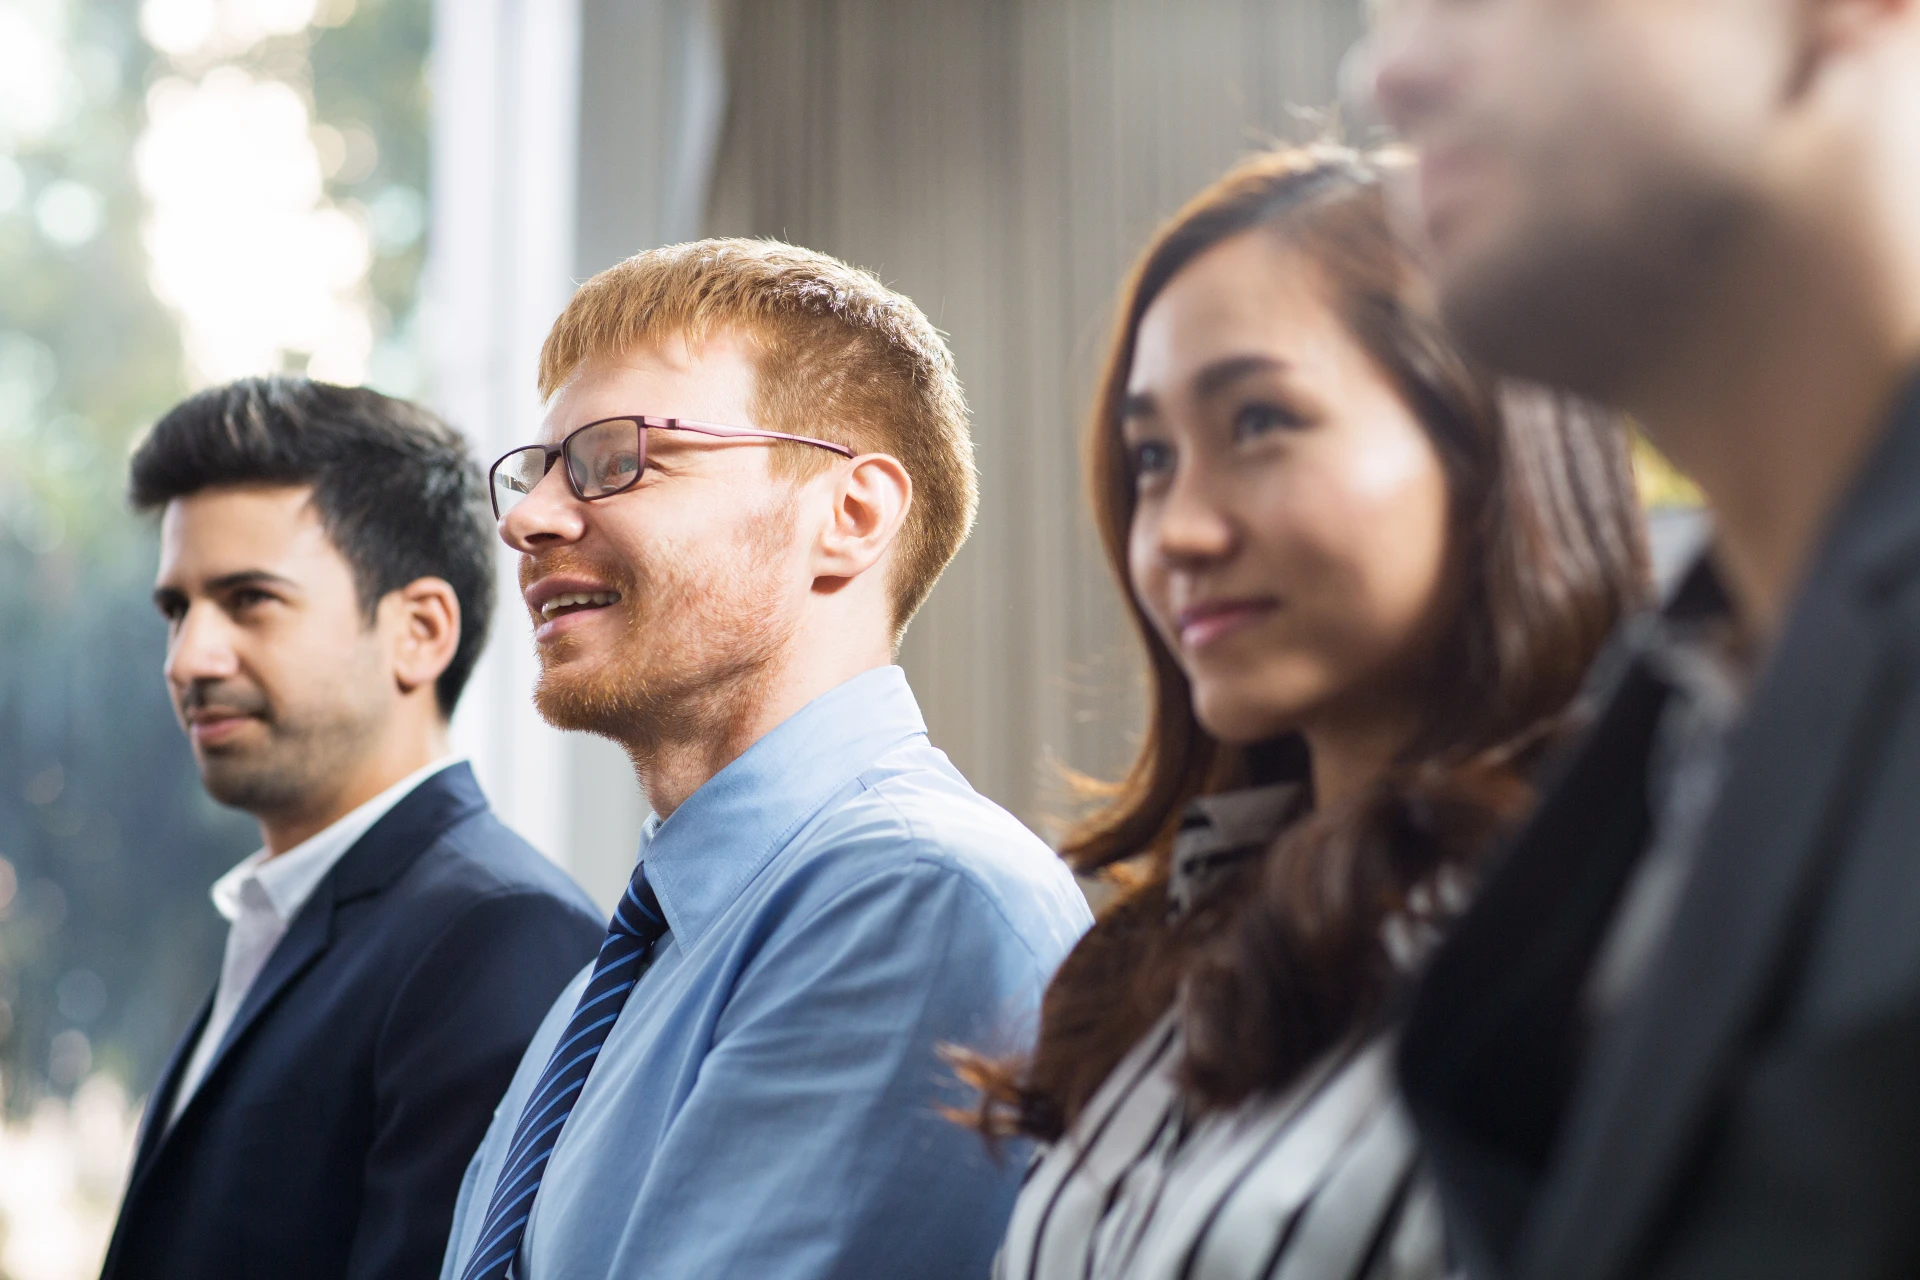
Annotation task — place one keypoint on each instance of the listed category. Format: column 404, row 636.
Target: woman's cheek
column 1148, row 577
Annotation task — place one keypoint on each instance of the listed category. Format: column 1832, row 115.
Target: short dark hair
column 396, row 488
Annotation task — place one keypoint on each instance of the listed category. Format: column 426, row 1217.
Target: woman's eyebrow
column 1221, row 374
column 1210, row 381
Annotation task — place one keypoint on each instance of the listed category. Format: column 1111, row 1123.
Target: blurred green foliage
column 107, row 842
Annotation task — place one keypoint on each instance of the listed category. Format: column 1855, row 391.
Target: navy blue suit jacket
column 330, row 1133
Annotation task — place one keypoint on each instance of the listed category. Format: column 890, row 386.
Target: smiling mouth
column 1200, row 627
column 577, row 602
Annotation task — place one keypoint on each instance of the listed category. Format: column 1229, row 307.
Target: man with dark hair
column 326, row 576
column 1679, row 1032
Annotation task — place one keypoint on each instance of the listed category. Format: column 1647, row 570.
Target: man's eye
column 1150, row 459
column 248, row 597
column 1259, row 419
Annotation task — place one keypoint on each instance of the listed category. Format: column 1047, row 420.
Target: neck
column 405, row 749
column 1350, row 755
column 680, row 749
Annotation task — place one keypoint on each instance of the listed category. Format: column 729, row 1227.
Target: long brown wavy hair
column 1548, row 536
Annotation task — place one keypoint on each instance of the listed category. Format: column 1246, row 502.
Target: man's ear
column 870, row 501
column 423, row 619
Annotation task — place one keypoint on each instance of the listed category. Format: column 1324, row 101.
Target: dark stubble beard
column 1601, row 301
column 699, row 649
column 307, row 752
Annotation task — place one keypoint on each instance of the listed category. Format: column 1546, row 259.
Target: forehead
column 1251, row 294
column 223, row 531
column 661, row 378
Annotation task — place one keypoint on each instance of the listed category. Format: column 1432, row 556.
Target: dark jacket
column 1754, row 1109
column 330, row 1133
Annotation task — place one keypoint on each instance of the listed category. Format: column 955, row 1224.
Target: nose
column 1408, row 54
column 1191, row 526
column 547, row 517
column 202, row 647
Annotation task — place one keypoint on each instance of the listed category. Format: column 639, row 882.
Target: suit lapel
column 1833, row 688
column 1651, row 1075
column 153, row 1125
column 375, row 861
column 305, row 940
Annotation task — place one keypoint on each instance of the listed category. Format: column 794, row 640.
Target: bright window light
column 262, row 270
column 36, row 83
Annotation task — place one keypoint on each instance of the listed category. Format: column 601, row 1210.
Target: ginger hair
column 837, row 356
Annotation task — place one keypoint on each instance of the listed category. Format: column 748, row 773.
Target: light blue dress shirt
column 840, row 903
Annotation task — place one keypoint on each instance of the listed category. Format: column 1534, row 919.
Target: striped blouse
column 1320, row 1181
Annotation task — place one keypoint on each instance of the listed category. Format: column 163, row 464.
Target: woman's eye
column 1151, row 458
column 1259, row 419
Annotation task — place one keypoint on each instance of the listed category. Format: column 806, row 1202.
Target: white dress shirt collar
column 290, row 879
column 260, row 898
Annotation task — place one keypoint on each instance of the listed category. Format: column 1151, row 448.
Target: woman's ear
column 424, row 618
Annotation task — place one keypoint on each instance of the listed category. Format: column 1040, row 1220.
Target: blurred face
column 1289, row 540
column 278, row 679
column 669, row 599
column 1583, row 165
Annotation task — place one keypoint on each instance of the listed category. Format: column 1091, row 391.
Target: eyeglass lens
column 606, row 458
column 600, row 460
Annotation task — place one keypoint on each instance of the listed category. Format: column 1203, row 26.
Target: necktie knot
column 639, row 915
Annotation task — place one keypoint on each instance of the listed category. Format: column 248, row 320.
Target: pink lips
column 1200, row 625
column 559, row 625
column 212, row 729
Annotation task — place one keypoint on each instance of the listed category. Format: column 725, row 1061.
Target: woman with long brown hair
column 1369, row 582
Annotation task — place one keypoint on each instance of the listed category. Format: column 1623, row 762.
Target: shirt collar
column 1220, row 833
column 700, row 858
column 290, row 879
column 1699, row 595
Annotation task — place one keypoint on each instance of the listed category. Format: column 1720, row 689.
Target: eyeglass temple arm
column 715, row 429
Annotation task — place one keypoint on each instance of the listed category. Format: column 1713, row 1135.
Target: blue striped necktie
column 637, row 924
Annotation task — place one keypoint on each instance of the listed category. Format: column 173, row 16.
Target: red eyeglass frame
column 642, row 425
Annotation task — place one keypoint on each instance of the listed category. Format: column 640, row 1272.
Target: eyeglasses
column 607, row 457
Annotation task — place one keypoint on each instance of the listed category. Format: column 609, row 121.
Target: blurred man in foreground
column 326, row 577
column 1679, row 1035
column 754, row 466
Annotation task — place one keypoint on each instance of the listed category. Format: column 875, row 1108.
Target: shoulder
column 913, row 822
column 479, row 859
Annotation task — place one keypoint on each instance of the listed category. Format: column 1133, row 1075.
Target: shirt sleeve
column 812, row 1144
column 454, row 1036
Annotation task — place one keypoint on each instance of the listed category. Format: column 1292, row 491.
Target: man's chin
column 585, row 705
column 1508, row 313
column 250, row 785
